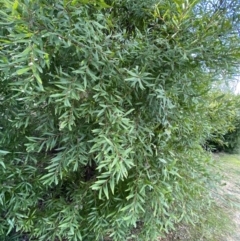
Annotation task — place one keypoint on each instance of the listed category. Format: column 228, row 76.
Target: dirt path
column 230, row 191
column 223, row 223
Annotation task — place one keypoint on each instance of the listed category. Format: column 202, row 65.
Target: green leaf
column 2, row 152
column 112, row 184
column 22, row 71
column 105, row 190
column 36, row 75
column 3, row 165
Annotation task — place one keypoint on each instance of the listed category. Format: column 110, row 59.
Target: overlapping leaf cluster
column 103, row 115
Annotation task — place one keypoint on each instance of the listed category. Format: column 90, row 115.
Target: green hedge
column 104, row 108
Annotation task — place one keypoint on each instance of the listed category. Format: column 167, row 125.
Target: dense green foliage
column 104, row 111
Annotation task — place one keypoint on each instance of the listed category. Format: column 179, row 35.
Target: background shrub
column 224, row 111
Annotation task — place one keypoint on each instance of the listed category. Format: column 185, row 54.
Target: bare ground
column 230, row 192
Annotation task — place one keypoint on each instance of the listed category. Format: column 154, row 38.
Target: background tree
column 103, row 115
